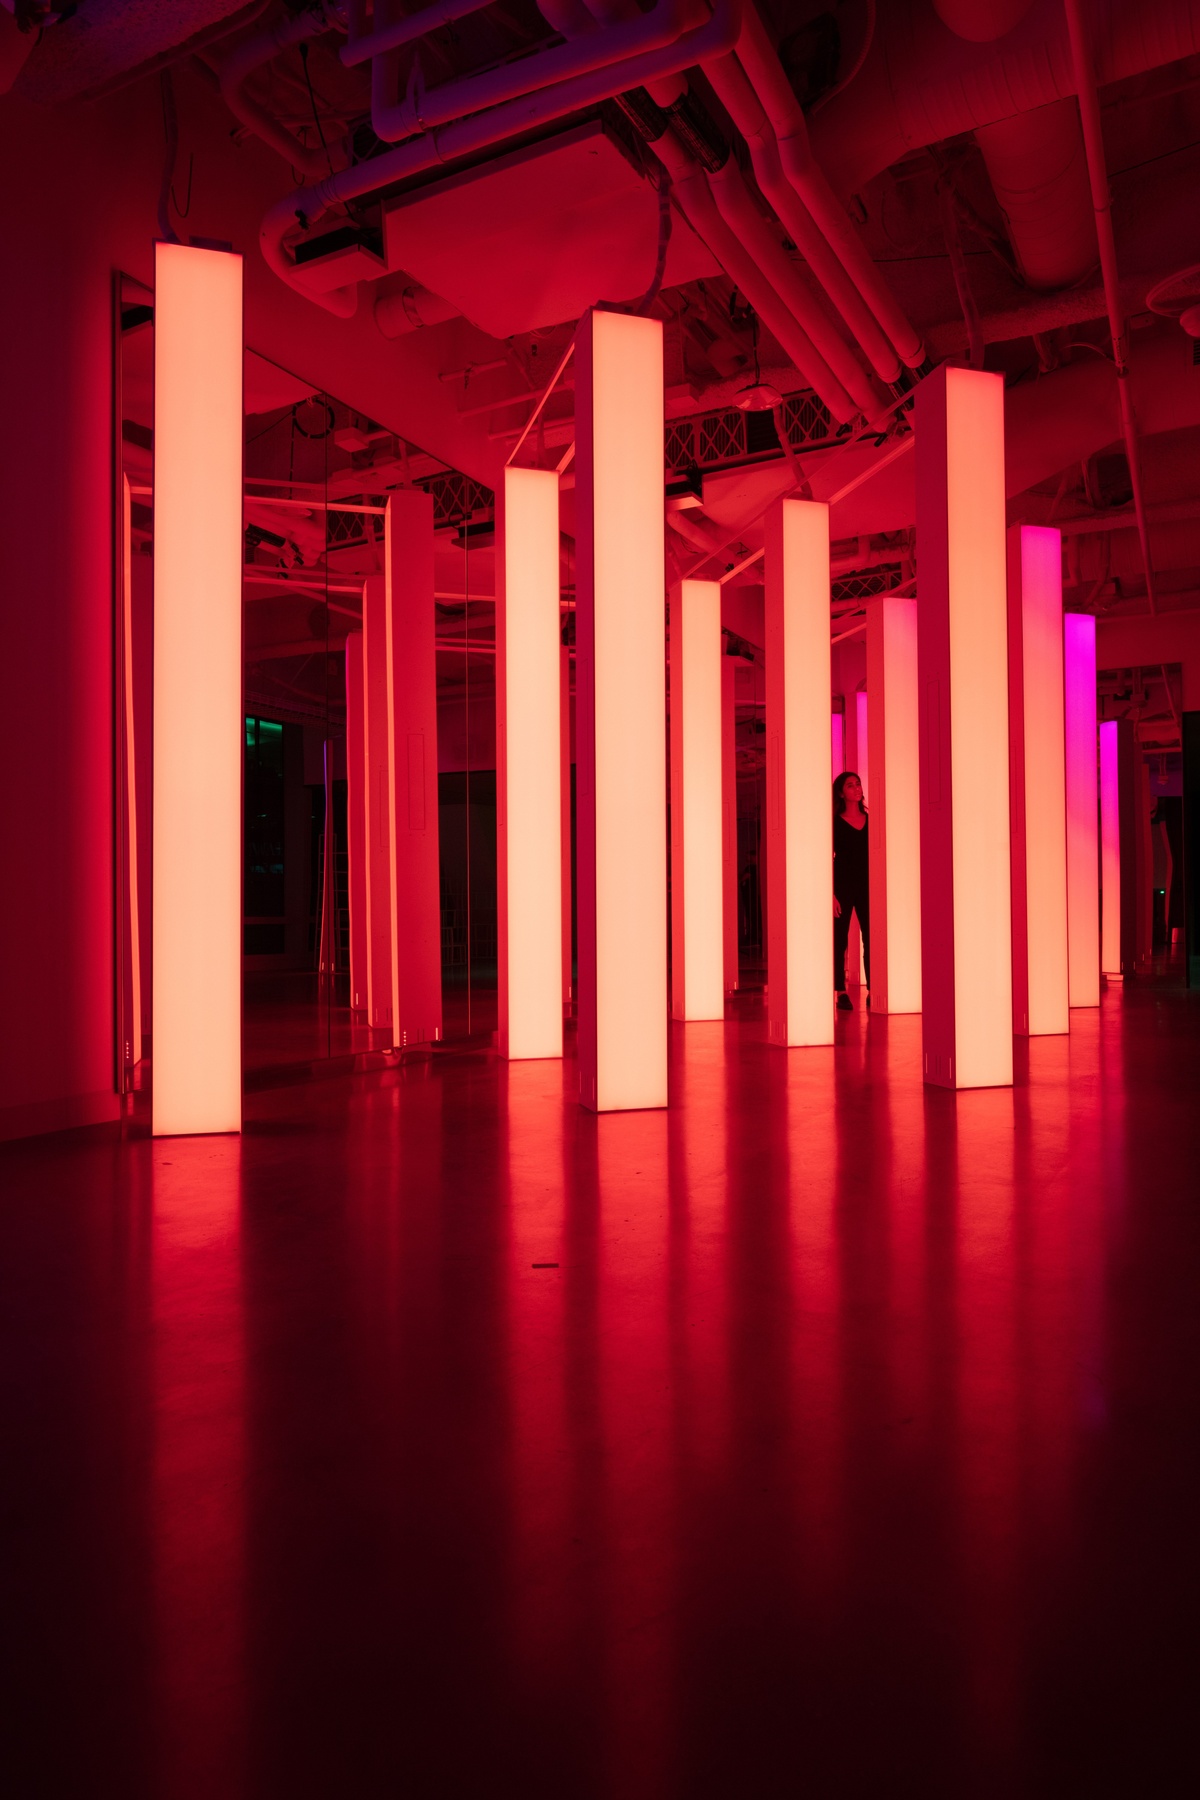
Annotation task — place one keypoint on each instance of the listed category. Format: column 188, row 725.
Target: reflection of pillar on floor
column 621, row 713
column 800, row 862
column 1110, row 852
column 895, row 811
column 566, row 761
column 1037, row 787
column 729, row 841
column 528, row 766
column 962, row 631
column 356, row 820
column 413, row 771
column 199, row 723
column 697, row 803
column 377, row 805
column 1083, row 849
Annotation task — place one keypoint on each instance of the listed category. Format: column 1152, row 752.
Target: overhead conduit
column 253, row 55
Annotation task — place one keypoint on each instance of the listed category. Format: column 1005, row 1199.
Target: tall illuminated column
column 962, row 659
column 377, row 805
column 697, row 803
column 356, row 820
column 837, row 741
column 198, row 728
column 1083, row 849
column 416, row 920
column 729, row 855
column 894, row 821
column 620, row 721
column 1037, row 784
column 529, row 766
column 799, row 821
column 566, row 763
column 1110, row 852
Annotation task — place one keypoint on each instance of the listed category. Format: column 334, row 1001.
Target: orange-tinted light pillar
column 1110, row 851
column 529, row 766
column 620, row 722
column 1037, row 788
column 729, row 820
column 697, row 804
column 416, row 920
column 894, row 820
column 198, row 729
column 356, row 820
column 377, row 799
column 799, row 802
column 962, row 650
column 1083, row 848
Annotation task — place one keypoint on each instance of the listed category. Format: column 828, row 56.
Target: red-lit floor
column 851, row 1448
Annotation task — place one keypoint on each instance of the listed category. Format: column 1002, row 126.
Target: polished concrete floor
column 822, row 1436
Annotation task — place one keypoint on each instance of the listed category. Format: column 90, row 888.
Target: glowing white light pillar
column 416, row 919
column 1083, row 847
column 529, row 766
column 800, row 999
column 962, row 655
column 1110, row 852
column 620, row 722
column 1037, row 786
column 356, row 820
column 697, row 804
column 894, row 823
column 377, row 796
column 198, row 718
column 729, row 855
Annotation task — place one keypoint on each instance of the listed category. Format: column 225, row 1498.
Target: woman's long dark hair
column 839, row 791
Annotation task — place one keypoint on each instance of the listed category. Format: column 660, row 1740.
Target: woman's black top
column 849, row 858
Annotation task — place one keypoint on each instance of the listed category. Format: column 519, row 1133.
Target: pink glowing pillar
column 1083, row 848
column 529, row 766
column 697, row 804
column 962, row 647
column 1110, row 851
column 198, row 718
column 377, row 798
column 799, row 818
column 862, row 732
column 620, row 731
column 566, row 762
column 413, row 771
column 1037, row 790
column 729, row 856
column 837, row 742
column 356, row 820
column 895, row 811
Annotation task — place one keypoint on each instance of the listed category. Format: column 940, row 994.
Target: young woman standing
column 851, row 880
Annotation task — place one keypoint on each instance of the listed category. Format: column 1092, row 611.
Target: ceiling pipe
column 468, row 136
column 424, row 110
column 361, row 46
column 981, row 21
column 756, row 53
column 740, row 101
column 410, row 309
column 242, row 63
column 1038, row 169
column 1089, row 112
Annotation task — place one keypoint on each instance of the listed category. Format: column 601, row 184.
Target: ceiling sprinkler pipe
column 468, row 136
column 243, row 62
column 398, row 32
column 412, row 309
column 735, row 93
column 757, row 56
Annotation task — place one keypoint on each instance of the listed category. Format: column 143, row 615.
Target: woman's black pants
column 854, row 901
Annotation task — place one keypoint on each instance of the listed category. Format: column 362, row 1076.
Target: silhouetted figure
column 851, row 879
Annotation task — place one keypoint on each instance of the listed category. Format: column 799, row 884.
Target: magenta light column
column 962, row 652
column 377, row 801
column 697, row 804
column 800, row 1002
column 356, row 820
column 620, row 697
column 1083, row 849
column 565, row 827
column 894, row 820
column 729, row 856
column 413, row 770
column 1037, row 782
